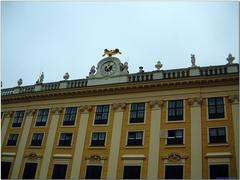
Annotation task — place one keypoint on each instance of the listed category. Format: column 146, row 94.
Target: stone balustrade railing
column 136, row 77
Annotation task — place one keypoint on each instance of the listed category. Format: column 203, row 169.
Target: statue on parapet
column 193, row 60
column 112, row 52
column 230, row 58
column 92, row 70
column 20, row 81
column 40, row 79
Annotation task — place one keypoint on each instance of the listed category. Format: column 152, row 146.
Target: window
column 18, row 118
column 217, row 135
column 135, row 138
column 175, row 137
column 132, row 172
column 37, row 139
column 29, row 171
column 12, row 140
column 65, row 139
column 219, row 171
column 137, row 113
column 93, row 172
column 98, row 139
column 5, row 169
column 215, row 108
column 70, row 115
column 175, row 110
column 174, row 172
column 59, row 171
column 42, row 117
column 101, row 114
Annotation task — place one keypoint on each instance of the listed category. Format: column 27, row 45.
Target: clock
column 108, row 68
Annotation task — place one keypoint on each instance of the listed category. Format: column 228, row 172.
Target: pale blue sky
column 59, row 37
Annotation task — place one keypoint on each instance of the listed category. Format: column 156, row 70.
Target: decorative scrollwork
column 156, row 104
column 85, row 108
column 95, row 157
column 119, row 106
column 175, row 157
column 57, row 110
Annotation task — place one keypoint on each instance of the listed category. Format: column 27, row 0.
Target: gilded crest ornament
column 112, row 52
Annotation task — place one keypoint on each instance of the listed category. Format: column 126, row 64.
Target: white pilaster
column 115, row 142
column 153, row 161
column 235, row 117
column 82, row 129
column 50, row 141
column 7, row 117
column 22, row 143
column 196, row 139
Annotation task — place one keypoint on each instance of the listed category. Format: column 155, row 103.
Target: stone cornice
column 122, row 88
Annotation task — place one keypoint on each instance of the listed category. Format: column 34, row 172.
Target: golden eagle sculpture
column 112, row 52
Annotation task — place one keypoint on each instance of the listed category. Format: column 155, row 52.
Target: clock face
column 108, row 68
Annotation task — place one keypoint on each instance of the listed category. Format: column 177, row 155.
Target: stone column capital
column 234, row 99
column 85, row 108
column 57, row 110
column 119, row 106
column 30, row 112
column 156, row 104
column 8, row 114
column 194, row 102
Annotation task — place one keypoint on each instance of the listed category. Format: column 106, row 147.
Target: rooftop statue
column 112, row 52
column 66, row 76
column 230, row 58
column 193, row 60
column 40, row 79
column 20, row 81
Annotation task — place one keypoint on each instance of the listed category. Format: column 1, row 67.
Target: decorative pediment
column 95, row 157
column 33, row 156
column 175, row 157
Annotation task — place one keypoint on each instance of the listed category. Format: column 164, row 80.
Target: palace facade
column 178, row 124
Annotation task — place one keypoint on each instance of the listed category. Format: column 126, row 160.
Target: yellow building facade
column 180, row 123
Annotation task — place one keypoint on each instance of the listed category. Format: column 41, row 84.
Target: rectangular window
column 174, row 172
column 132, row 172
column 65, row 139
column 175, row 137
column 12, row 139
column 175, row 110
column 101, row 116
column 219, row 171
column 42, row 117
column 59, row 171
column 135, row 138
column 5, row 169
column 37, row 139
column 217, row 135
column 18, row 118
column 137, row 113
column 70, row 116
column 29, row 171
column 98, row 139
column 93, row 172
column 215, row 108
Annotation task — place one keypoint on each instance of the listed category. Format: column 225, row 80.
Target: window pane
column 179, row 133
column 213, row 132
column 93, row 172
column 221, row 132
column 5, row 168
column 174, row 172
column 132, row 172
column 139, row 135
column 29, row 171
column 59, row 171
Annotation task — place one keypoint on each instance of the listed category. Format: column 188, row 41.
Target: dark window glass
column 98, row 139
column 42, row 117
column 135, row 138
column 65, row 139
column 132, row 172
column 175, row 137
column 101, row 114
column 59, row 171
column 217, row 135
column 174, row 172
column 137, row 113
column 70, row 115
column 175, row 110
column 5, row 169
column 29, row 171
column 12, row 140
column 37, row 139
column 219, row 171
column 18, row 118
column 215, row 108
column 93, row 172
